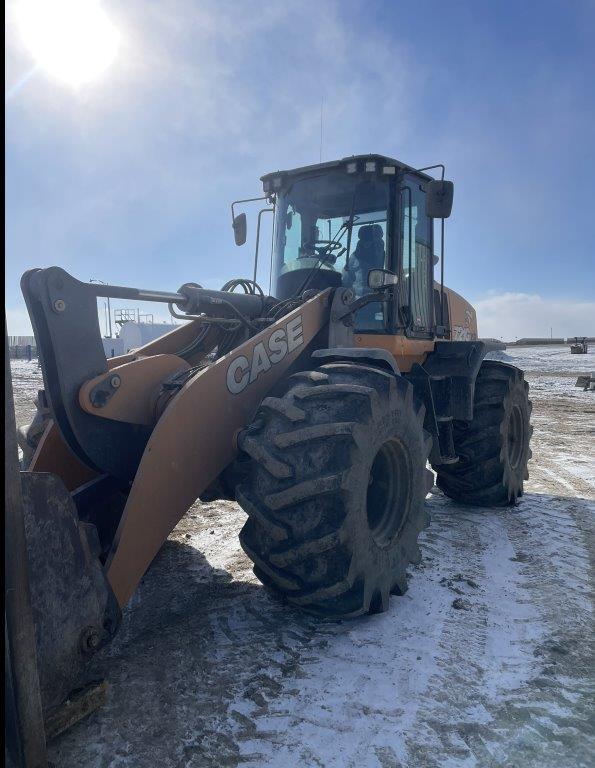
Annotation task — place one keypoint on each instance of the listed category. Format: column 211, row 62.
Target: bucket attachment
column 74, row 610
column 59, row 607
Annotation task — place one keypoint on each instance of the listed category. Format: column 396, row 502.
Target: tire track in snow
column 483, row 646
column 432, row 713
column 549, row 718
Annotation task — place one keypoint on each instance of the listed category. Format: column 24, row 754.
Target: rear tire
column 493, row 449
column 336, row 487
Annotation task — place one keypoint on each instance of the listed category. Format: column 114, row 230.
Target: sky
column 129, row 177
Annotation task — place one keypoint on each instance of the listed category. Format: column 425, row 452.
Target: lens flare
column 71, row 40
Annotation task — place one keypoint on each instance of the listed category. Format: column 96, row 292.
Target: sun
column 71, row 40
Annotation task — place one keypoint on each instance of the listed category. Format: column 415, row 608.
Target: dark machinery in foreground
column 579, row 346
column 317, row 407
column 586, row 382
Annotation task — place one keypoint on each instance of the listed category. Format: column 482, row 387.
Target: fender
column 373, row 355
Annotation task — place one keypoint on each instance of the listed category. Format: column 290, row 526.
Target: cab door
column 417, row 266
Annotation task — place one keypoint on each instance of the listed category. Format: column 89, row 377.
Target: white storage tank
column 133, row 335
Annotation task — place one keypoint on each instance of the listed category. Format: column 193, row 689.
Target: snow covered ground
column 486, row 661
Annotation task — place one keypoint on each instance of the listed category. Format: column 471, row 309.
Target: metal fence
column 22, row 347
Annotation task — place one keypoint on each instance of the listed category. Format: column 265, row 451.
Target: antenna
column 321, row 111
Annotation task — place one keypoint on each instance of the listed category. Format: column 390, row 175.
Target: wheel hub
column 389, row 492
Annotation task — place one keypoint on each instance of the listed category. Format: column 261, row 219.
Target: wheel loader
column 319, row 405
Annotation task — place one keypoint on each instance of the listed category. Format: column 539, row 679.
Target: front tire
column 336, row 487
column 493, row 448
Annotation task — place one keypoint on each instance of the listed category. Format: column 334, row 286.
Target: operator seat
column 370, row 245
column 368, row 254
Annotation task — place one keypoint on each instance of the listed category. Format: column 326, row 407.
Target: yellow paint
column 405, row 351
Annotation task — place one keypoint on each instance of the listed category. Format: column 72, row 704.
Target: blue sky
column 129, row 178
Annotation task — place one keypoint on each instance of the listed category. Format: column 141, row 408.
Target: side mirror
column 381, row 278
column 439, row 196
column 239, row 228
column 435, row 259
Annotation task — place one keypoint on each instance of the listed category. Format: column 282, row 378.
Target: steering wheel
column 324, row 249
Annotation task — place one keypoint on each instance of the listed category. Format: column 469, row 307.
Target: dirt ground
column 486, row 661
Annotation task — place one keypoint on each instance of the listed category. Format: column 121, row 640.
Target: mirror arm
column 246, row 200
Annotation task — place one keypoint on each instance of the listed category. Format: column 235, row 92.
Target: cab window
column 331, row 229
column 416, row 262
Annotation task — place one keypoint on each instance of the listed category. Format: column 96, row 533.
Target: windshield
column 330, row 230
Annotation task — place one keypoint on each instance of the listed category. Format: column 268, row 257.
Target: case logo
column 243, row 371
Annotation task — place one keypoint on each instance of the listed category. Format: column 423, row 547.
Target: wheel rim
column 516, row 436
column 389, row 491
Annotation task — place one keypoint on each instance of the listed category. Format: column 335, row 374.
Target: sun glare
column 71, row 40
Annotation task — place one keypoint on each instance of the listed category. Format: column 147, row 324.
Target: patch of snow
column 544, row 359
column 513, row 624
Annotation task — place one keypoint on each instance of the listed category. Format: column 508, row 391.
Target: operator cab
column 334, row 222
column 330, row 230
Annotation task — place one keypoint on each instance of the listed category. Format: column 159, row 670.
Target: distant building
column 22, row 347
column 538, row 342
column 133, row 334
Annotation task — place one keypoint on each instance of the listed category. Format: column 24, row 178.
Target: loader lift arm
column 168, row 463
column 185, row 454
column 64, row 317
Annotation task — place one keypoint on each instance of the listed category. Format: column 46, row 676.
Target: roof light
column 351, row 167
column 370, row 167
column 266, row 185
column 277, row 182
column 389, row 170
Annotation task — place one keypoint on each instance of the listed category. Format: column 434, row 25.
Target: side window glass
column 369, row 250
column 416, row 283
column 292, row 237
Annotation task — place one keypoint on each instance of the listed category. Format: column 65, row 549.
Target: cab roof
column 360, row 160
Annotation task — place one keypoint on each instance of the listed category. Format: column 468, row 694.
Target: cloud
column 130, row 179
column 138, row 169
column 516, row 315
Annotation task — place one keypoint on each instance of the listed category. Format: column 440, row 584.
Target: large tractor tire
column 493, row 449
column 336, row 487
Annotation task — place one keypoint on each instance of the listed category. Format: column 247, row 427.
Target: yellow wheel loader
column 318, row 405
